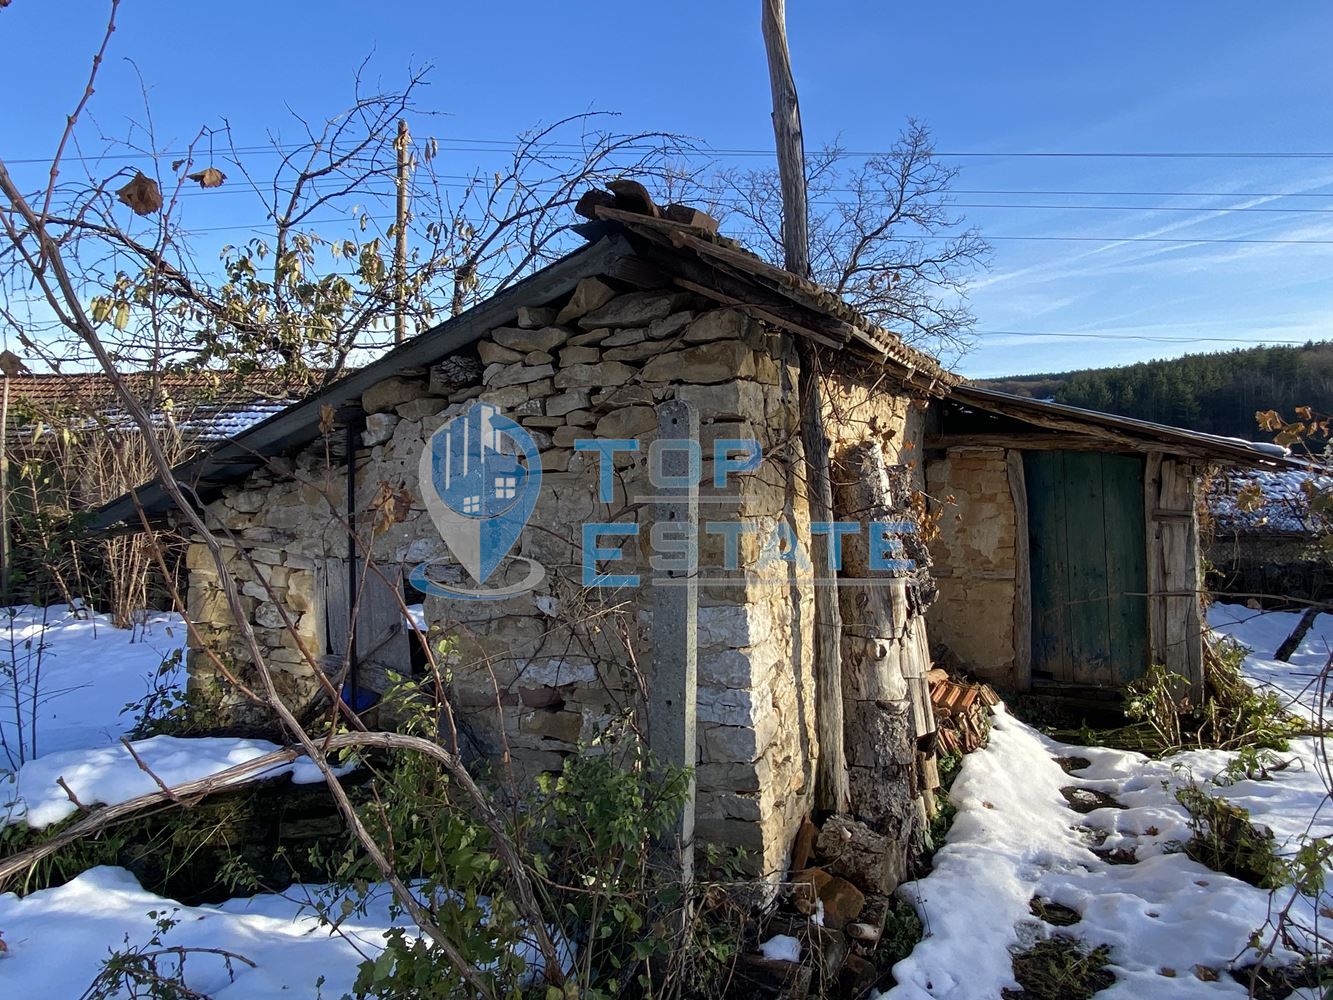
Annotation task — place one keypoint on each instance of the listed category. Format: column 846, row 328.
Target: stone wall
column 975, row 560
column 564, row 664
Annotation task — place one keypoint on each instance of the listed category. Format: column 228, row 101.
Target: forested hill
column 1218, row 393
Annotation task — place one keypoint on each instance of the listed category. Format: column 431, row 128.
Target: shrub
column 1226, row 841
column 1060, row 968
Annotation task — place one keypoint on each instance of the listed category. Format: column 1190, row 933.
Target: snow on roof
column 209, row 406
column 1269, row 501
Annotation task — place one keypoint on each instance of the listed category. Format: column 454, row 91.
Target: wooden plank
column 338, row 625
column 1126, row 565
column 1152, row 489
column 1022, row 572
column 1085, row 568
column 1182, row 632
column 382, row 644
column 1044, row 476
column 1033, row 441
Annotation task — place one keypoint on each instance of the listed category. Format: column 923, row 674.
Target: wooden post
column 400, row 242
column 832, row 792
column 787, row 133
column 673, row 694
column 4, row 492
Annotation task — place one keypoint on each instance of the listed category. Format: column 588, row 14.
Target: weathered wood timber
column 1175, row 615
column 832, row 791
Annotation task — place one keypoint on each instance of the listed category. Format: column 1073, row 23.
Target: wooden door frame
column 1175, row 607
column 1013, row 460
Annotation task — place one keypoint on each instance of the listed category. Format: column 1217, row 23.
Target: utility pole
column 832, row 780
column 401, row 144
column 4, row 491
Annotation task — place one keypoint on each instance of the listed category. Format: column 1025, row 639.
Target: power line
column 905, row 239
column 1148, row 208
column 734, row 203
column 1146, row 194
column 460, row 143
column 1143, row 337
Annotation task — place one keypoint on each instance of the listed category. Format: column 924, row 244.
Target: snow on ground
column 1016, row 837
column 107, row 775
column 58, row 939
column 82, row 672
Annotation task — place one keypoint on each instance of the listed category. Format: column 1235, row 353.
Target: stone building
column 808, row 697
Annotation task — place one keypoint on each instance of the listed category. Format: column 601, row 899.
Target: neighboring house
column 1262, row 543
column 1054, row 510
column 206, row 407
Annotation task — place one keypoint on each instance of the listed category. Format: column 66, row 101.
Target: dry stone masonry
column 535, row 677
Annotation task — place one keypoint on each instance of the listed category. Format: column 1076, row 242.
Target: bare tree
column 313, row 291
column 881, row 234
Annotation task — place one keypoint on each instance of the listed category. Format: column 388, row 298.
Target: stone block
column 379, row 428
column 635, row 352
column 669, row 327
column 579, row 356
column 384, row 396
column 628, row 422
column 506, row 398
column 500, row 376
column 534, row 317
column 718, row 324
column 566, row 402
column 623, row 337
column 719, row 361
column 588, row 337
column 632, row 309
column 736, row 400
column 606, row 373
column 589, row 294
column 421, row 407
column 493, row 354
column 548, row 338
column 625, row 395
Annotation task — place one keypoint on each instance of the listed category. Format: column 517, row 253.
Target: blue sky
column 1221, row 77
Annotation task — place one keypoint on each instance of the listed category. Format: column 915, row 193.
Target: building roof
column 207, row 406
column 639, row 247
column 1127, row 432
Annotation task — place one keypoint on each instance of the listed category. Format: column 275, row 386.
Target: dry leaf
column 326, row 419
column 141, row 194
column 209, row 177
column 11, row 364
column 390, row 506
column 176, row 165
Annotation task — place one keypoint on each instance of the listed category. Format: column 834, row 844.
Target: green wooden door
column 1089, row 567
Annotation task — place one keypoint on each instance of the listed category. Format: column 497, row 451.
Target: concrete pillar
column 672, row 695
